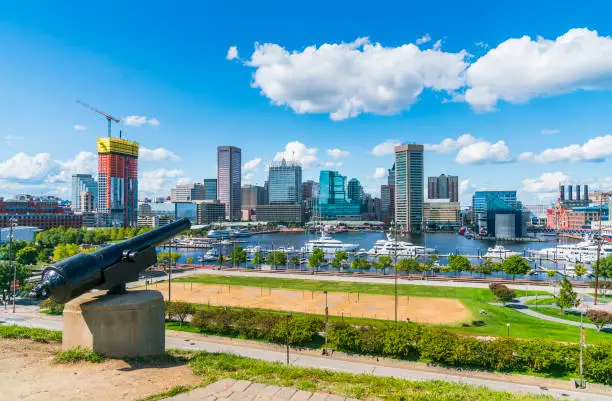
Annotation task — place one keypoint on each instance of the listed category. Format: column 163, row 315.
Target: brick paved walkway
column 243, row 390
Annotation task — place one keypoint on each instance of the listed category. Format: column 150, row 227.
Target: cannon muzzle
column 108, row 268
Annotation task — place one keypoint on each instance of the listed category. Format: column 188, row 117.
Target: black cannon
column 109, row 268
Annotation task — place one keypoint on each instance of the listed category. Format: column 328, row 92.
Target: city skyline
column 494, row 135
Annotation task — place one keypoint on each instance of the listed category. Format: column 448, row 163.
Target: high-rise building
column 499, row 214
column 443, row 187
column 387, row 203
column 409, row 187
column 118, row 181
column 441, row 214
column 229, row 188
column 310, row 190
column 86, row 202
column 210, row 188
column 188, row 193
column 284, row 183
column 210, row 211
column 355, row 191
column 252, row 196
column 83, row 183
column 391, row 175
column 333, row 202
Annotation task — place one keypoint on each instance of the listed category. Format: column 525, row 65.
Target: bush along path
column 413, row 342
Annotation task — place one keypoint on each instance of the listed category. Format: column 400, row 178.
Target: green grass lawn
column 541, row 301
column 561, row 314
column 475, row 299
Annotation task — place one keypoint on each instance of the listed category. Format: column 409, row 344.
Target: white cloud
column 137, row 121
column 297, row 151
column 79, row 127
column 156, row 155
column 545, row 183
column 329, row 164
column 24, row 167
column 595, row 149
column 448, row 145
column 525, row 156
column 520, row 69
column 548, row 131
column 482, row 45
column 251, row 164
column 248, row 178
column 82, row 163
column 385, row 148
column 10, row 140
column 380, row 173
column 158, row 182
column 337, row 153
column 423, row 39
column 483, row 151
column 437, row 45
column 232, row 53
column 347, row 79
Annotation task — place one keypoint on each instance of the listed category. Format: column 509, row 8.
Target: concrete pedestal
column 126, row 325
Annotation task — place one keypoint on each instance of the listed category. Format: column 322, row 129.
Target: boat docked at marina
column 210, row 256
column 498, row 252
column 328, row 245
column 390, row 247
column 581, row 252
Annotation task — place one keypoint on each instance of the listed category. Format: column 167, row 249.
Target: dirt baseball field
column 415, row 309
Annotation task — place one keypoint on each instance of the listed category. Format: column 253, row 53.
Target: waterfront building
column 284, row 183
column 188, row 193
column 144, row 209
column 187, row 210
column 387, row 203
column 153, row 221
column 37, row 212
column 118, row 181
column 499, row 214
column 280, row 213
column 210, row 211
column 332, row 201
column 86, row 202
column 253, row 195
column 409, row 187
column 210, row 188
column 443, row 187
column 229, row 188
column 575, row 218
column 371, row 208
column 310, row 190
column 90, row 219
column 570, row 200
column 83, row 183
column 163, row 209
column 355, row 191
column 441, row 214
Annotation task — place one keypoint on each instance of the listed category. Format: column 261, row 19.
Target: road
column 29, row 317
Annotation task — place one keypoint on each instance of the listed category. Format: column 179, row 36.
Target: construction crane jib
column 108, row 117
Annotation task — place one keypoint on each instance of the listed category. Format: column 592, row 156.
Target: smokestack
column 586, row 193
column 562, row 192
column 577, row 192
column 569, row 192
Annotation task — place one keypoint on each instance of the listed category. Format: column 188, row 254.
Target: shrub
column 401, row 341
column 437, row 346
column 344, row 337
column 599, row 318
column 52, row 306
column 179, row 310
column 301, row 330
column 598, row 363
column 369, row 340
column 502, row 293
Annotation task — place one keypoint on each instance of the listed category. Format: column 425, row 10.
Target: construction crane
column 109, row 118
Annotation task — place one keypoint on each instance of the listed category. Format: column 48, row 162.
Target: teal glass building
column 333, row 203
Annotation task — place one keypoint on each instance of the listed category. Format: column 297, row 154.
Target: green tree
column 407, row 265
column 189, row 260
column 515, row 265
column 258, row 259
column 221, row 260
column 6, row 276
column 277, row 258
column 27, row 255
column 605, row 267
column 340, row 259
column 359, row 263
column 179, row 310
column 485, row 268
column 238, row 255
column 316, row 259
column 432, row 260
column 502, row 293
column 165, row 257
column 580, row 270
column 567, row 298
column 63, row 251
column 294, row 261
column 383, row 263
column 458, row 264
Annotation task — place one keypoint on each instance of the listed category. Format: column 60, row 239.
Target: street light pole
column 326, row 323
column 169, row 270
column 395, row 263
column 12, row 224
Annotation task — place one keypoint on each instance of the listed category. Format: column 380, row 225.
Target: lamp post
column 395, row 262
column 287, row 337
column 169, row 270
column 12, row 224
column 326, row 323
column 508, row 326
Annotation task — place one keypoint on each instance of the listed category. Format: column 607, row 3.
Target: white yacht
column 582, row 252
column 209, row 256
column 499, row 252
column 219, row 234
column 253, row 249
column 399, row 248
column 328, row 245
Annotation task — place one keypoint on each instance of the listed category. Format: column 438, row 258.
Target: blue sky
column 305, row 81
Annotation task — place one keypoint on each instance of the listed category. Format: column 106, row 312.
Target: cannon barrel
column 107, row 268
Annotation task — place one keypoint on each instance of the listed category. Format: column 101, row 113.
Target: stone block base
column 126, row 325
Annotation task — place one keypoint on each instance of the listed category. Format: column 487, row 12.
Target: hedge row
column 258, row 325
column 442, row 347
